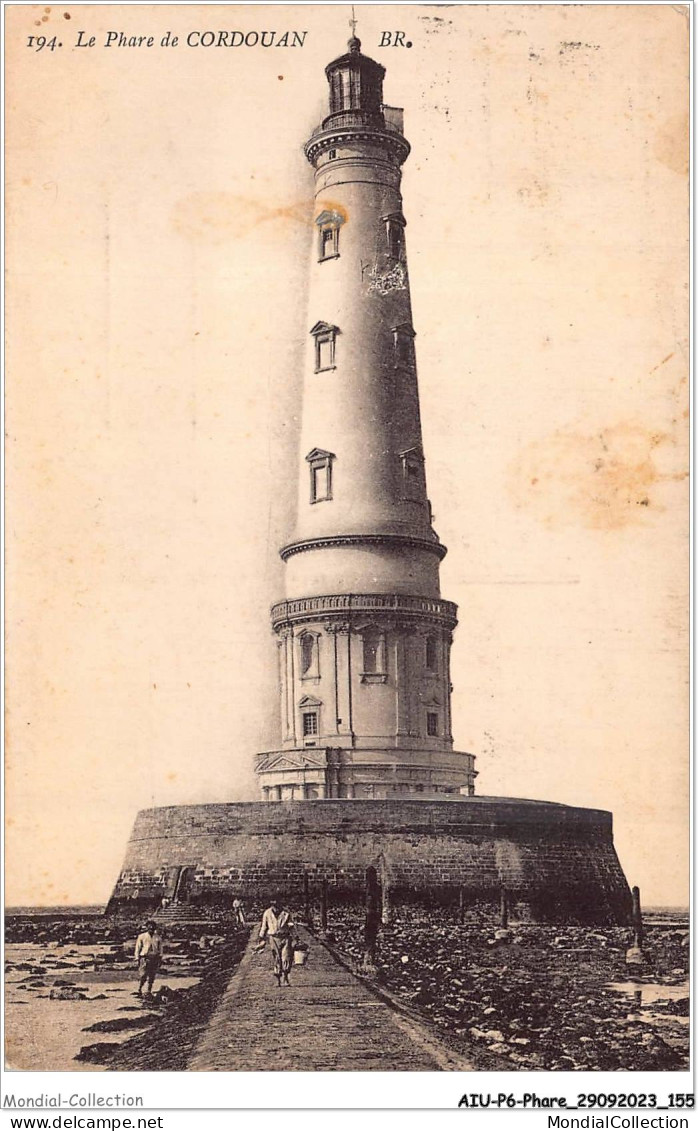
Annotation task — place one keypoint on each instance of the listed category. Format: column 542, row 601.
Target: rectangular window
column 329, row 243
column 431, row 662
column 370, row 653
column 404, row 348
column 432, row 724
column 324, row 353
column 309, row 723
column 320, row 474
column 394, row 240
column 320, row 483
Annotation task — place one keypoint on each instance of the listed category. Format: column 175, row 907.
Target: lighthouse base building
column 557, row 862
column 365, row 773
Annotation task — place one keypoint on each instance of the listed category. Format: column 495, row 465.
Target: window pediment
column 319, row 455
column 309, row 701
column 330, row 219
column 324, row 328
column 413, row 453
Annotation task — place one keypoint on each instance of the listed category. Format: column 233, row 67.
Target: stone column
column 291, row 683
column 446, row 669
column 282, row 645
column 402, row 705
column 343, row 677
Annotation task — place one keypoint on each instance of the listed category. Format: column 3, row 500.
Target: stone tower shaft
column 364, row 637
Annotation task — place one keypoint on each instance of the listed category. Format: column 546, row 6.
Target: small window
column 320, row 475
column 328, row 242
column 403, row 343
column 413, row 485
column 395, row 241
column 309, row 723
column 395, row 234
column 308, row 653
column 329, row 223
column 432, row 724
column 370, row 653
column 324, row 358
column 325, row 338
column 321, row 483
column 374, row 653
column 431, row 653
column 332, row 154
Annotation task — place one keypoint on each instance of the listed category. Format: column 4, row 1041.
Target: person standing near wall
column 148, row 955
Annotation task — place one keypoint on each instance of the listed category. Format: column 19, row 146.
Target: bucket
column 300, row 957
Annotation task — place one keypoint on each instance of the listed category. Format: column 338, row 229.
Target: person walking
column 239, row 912
column 148, row 955
column 277, row 926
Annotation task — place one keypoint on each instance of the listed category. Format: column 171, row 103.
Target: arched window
column 309, row 656
column 307, row 653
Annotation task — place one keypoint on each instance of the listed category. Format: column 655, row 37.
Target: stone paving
column 326, row 1020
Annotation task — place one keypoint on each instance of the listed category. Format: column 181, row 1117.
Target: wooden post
column 461, row 906
column 386, row 910
column 372, row 921
column 637, row 918
column 306, row 900
column 635, row 956
column 504, row 908
column 323, row 907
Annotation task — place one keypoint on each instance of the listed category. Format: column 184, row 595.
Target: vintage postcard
column 347, row 544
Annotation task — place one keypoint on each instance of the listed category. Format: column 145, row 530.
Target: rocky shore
column 75, row 977
column 547, row 998
column 528, row 997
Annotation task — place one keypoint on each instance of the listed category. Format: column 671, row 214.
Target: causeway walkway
column 326, row 1020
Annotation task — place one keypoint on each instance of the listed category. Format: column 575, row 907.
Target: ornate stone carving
column 406, row 610
column 398, row 540
column 337, row 627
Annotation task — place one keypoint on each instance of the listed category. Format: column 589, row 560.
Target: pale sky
column 159, row 213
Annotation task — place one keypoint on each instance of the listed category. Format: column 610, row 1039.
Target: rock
column 118, row 1024
column 97, row 1054
column 66, row 993
column 634, row 957
column 494, row 1035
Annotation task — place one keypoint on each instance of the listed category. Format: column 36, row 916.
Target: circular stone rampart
column 557, row 862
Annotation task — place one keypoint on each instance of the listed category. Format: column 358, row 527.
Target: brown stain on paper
column 671, row 146
column 220, row 216
column 603, row 481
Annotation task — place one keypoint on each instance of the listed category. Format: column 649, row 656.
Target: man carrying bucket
column 276, row 923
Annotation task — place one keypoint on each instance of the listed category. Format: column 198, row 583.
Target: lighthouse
column 363, row 634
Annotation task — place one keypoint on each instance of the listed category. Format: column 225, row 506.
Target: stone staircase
column 185, row 913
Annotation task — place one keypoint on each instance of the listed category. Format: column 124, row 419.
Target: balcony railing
column 304, row 608
column 351, row 119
